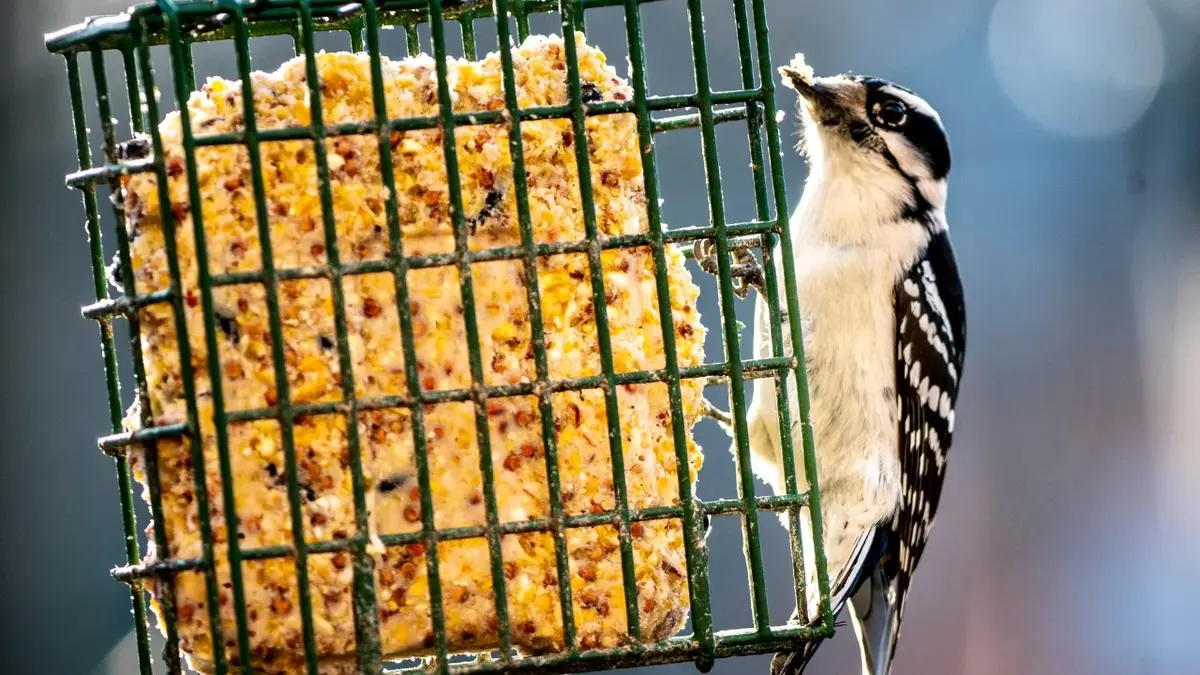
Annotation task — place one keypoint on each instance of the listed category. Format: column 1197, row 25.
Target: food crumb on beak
column 797, row 69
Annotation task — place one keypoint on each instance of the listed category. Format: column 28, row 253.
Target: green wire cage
column 92, row 48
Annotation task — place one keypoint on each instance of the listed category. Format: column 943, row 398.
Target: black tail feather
column 794, row 663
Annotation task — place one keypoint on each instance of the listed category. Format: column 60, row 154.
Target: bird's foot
column 745, row 270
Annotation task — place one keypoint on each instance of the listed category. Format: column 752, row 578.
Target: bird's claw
column 705, row 253
column 745, row 270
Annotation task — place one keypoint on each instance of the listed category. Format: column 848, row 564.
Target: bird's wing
column 930, row 345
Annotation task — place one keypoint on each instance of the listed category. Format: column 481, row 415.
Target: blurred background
column 1069, row 536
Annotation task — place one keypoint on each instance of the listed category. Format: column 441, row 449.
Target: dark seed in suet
column 392, row 483
column 591, row 92
column 491, row 207
column 227, row 322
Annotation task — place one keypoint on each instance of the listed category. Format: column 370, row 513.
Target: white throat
column 854, row 199
column 854, row 195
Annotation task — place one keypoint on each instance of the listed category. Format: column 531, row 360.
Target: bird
column 883, row 317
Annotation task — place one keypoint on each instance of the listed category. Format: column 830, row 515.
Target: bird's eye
column 892, row 113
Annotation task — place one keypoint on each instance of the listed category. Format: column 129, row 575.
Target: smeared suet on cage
column 359, row 199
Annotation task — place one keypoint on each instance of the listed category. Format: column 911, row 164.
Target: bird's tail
column 794, row 663
column 876, row 623
column 857, row 584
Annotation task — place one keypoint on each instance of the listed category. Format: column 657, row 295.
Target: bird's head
column 874, row 131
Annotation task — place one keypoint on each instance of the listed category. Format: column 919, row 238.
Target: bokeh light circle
column 1082, row 68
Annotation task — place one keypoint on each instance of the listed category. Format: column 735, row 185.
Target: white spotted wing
column 930, row 342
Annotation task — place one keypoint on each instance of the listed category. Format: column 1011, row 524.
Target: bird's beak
column 816, row 92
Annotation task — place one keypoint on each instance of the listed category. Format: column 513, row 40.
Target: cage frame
column 180, row 24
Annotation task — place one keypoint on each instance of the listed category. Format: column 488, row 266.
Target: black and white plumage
column 930, row 344
column 884, row 323
column 931, row 339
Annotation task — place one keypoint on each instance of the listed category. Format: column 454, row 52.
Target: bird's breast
column 846, row 304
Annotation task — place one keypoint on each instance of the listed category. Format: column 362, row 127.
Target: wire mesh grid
column 179, row 25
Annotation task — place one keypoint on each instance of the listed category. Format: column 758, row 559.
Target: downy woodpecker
column 884, row 338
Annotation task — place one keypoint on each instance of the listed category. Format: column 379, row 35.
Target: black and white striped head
column 875, row 129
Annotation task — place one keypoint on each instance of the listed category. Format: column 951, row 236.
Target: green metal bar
column 369, row 649
column 779, row 188
column 412, row 43
column 294, row 32
column 108, row 345
column 716, row 208
column 727, row 644
column 570, row 14
column 137, row 115
column 521, row 10
column 189, row 64
column 696, row 549
column 467, row 291
column 272, row 19
column 187, row 376
column 752, row 368
column 691, row 121
column 185, row 82
column 536, row 325
column 123, row 305
column 357, row 30
column 719, row 507
column 754, row 118
column 102, row 174
column 363, row 591
column 365, row 615
column 162, row 546
column 428, row 534
column 696, row 555
column 786, row 441
column 112, row 445
column 672, row 102
column 466, row 25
